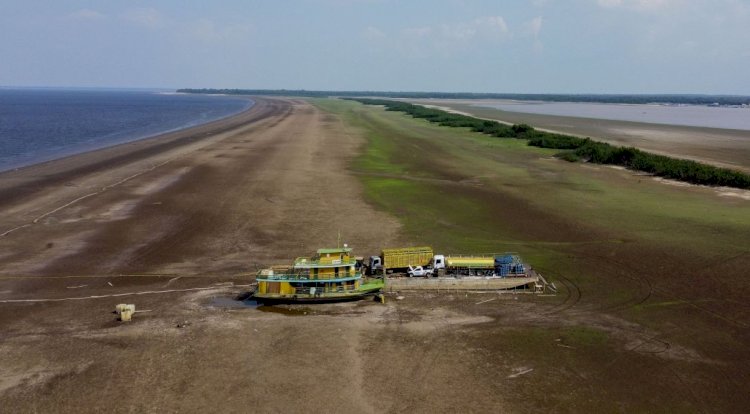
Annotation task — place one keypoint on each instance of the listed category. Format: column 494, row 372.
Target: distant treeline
column 723, row 100
column 577, row 148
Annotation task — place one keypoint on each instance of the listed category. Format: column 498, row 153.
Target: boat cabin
column 331, row 273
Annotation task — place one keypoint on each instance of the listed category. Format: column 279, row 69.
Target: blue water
column 725, row 117
column 38, row 125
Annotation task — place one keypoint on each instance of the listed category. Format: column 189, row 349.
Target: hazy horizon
column 533, row 46
column 168, row 90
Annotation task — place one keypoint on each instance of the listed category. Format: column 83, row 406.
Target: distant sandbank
column 727, row 148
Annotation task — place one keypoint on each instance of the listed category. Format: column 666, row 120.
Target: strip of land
column 726, row 148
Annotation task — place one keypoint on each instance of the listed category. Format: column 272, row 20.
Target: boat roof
column 335, row 250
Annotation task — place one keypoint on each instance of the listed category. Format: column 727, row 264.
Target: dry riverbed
column 178, row 224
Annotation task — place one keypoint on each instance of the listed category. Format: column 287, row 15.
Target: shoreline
column 728, row 148
column 701, row 116
column 124, row 141
column 24, row 181
column 175, row 182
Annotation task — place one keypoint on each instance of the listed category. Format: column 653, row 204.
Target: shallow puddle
column 235, row 303
column 232, row 303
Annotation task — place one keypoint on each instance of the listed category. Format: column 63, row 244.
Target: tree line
column 578, row 149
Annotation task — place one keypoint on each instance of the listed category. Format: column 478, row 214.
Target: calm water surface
column 687, row 115
column 40, row 124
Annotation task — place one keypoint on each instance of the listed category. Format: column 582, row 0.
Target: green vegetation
column 615, row 237
column 579, row 148
column 409, row 187
column 463, row 192
column 423, row 173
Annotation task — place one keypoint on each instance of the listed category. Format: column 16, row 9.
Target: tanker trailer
column 469, row 265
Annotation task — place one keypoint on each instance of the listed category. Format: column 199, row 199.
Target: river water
column 686, row 115
column 37, row 125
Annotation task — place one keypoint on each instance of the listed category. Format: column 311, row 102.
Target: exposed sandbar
column 728, row 148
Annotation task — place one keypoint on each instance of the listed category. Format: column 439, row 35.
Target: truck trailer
column 405, row 260
column 506, row 264
column 399, row 260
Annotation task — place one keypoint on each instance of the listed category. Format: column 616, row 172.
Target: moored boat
column 330, row 275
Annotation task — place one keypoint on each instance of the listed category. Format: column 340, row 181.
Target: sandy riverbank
column 163, row 204
column 722, row 147
column 150, row 222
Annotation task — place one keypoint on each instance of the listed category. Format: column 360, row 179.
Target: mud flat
column 650, row 315
column 722, row 147
column 165, row 223
column 216, row 199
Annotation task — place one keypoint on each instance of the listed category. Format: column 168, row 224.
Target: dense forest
column 722, row 100
column 578, row 149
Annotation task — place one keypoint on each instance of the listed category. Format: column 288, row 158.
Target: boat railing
column 318, row 262
column 311, row 290
column 308, row 276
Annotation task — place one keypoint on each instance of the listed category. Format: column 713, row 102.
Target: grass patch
column 605, row 229
column 464, row 192
column 432, row 162
column 584, row 148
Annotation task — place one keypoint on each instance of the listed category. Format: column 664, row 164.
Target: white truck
column 420, row 271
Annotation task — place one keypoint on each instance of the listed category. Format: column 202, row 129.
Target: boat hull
column 366, row 290
column 268, row 300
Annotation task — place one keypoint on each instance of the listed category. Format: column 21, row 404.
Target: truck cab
column 438, row 262
column 374, row 265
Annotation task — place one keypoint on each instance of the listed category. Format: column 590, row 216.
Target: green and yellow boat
column 331, row 275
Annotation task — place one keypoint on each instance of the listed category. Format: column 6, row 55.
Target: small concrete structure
column 125, row 311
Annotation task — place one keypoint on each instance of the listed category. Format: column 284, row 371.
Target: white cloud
column 206, row 30
column 450, row 39
column 417, row 31
column 532, row 29
column 639, row 5
column 487, row 26
column 492, row 25
column 373, row 33
column 738, row 7
column 534, row 26
column 86, row 14
column 609, row 3
column 458, row 32
column 145, row 16
column 337, row 3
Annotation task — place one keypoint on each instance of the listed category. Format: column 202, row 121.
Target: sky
column 512, row 46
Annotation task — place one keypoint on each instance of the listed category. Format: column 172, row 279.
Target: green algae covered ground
column 652, row 310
